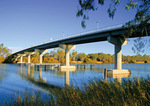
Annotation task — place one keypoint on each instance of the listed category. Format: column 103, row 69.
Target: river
column 14, row 77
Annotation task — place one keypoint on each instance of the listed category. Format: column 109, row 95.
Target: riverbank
column 130, row 92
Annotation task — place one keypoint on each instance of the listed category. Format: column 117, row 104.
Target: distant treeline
column 58, row 55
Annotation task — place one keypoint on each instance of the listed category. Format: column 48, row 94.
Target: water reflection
column 117, row 77
column 30, row 75
column 28, row 70
column 19, row 77
column 2, row 75
column 56, row 77
column 32, row 72
column 67, row 74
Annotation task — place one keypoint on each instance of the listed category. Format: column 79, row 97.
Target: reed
column 131, row 92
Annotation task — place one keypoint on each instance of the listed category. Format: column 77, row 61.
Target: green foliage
column 60, row 54
column 131, row 61
column 81, row 56
column 4, row 51
column 89, row 61
column 146, row 61
column 46, row 54
column 141, row 19
column 74, row 55
column 50, row 60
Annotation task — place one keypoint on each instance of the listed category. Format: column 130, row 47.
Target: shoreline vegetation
column 58, row 56
column 98, row 92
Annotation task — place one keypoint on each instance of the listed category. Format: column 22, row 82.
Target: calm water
column 14, row 78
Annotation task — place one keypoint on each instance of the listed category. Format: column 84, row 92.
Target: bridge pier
column 67, row 57
column 29, row 55
column 21, row 57
column 118, row 42
column 40, row 54
column 16, row 57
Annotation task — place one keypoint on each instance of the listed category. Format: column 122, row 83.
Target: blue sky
column 24, row 23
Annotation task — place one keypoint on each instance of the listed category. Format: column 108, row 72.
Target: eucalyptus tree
column 4, row 51
column 60, row 54
column 74, row 55
column 142, row 17
column 47, row 55
column 81, row 56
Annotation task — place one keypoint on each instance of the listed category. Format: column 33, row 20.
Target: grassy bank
column 131, row 92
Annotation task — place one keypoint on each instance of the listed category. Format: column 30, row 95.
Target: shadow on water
column 32, row 72
column 40, row 82
column 117, row 77
column 3, row 74
column 20, row 77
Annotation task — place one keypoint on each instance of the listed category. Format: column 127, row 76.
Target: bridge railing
column 80, row 34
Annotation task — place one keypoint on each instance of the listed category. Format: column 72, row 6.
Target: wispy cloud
column 15, row 49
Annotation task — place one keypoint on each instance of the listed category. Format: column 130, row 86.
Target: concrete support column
column 67, row 52
column 67, row 57
column 118, row 42
column 21, row 57
column 40, row 58
column 67, row 48
column 40, row 54
column 118, row 57
column 16, row 57
column 29, row 55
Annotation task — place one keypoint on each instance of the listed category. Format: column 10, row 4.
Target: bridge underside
column 113, row 36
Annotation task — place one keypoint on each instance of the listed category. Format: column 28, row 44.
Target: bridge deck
column 88, row 37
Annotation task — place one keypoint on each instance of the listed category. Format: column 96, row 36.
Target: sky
column 25, row 23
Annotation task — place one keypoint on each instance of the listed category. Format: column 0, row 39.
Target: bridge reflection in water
column 117, row 77
column 29, row 72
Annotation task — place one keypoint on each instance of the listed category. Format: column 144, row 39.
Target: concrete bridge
column 113, row 35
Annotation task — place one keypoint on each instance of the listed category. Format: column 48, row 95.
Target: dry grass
column 132, row 92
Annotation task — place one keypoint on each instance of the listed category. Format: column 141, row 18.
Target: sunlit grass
column 131, row 92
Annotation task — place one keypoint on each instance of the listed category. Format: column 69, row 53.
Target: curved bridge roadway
column 110, row 34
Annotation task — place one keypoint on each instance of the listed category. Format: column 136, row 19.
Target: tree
column 81, row 56
column 4, row 51
column 142, row 17
column 54, row 54
column 46, row 54
column 60, row 54
column 74, row 54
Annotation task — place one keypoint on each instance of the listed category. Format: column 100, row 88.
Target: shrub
column 62, row 61
column 89, row 61
column 146, row 61
column 132, row 61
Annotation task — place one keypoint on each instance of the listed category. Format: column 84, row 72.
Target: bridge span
column 115, row 35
